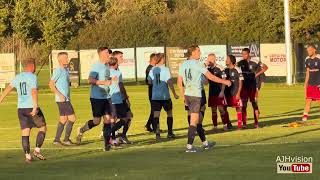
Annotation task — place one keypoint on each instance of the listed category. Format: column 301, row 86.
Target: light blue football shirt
column 159, row 75
column 191, row 71
column 115, row 93
column 24, row 83
column 99, row 71
column 62, row 80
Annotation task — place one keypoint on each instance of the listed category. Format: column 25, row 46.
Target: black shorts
column 157, row 105
column 28, row 121
column 100, row 107
column 120, row 110
column 193, row 104
column 65, row 108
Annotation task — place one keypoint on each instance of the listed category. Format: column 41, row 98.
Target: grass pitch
column 245, row 154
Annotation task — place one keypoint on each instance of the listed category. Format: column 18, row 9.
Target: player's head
column 246, row 53
column 118, row 55
column 113, row 63
column 153, row 58
column 193, row 52
column 212, row 58
column 311, row 50
column 29, row 65
column 63, row 58
column 231, row 60
column 104, row 54
column 160, row 59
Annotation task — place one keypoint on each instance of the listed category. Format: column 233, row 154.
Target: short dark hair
column 61, row 54
column 100, row 49
column 152, row 55
column 113, row 61
column 233, row 59
column 190, row 49
column 28, row 61
column 114, row 53
column 109, row 51
column 159, row 57
column 312, row 46
column 246, row 50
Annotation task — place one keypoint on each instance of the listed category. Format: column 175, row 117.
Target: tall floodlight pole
column 288, row 42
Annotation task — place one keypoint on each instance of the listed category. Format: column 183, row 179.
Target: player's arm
column 239, row 89
column 5, row 92
column 180, row 85
column 306, row 80
column 52, row 85
column 94, row 81
column 34, row 93
column 216, row 79
column 170, row 83
column 264, row 68
column 205, row 81
column 223, row 86
column 123, row 90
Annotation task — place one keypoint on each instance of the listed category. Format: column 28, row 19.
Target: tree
column 22, row 23
column 53, row 21
column 6, row 8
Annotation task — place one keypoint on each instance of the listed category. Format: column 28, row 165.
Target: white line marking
column 169, row 146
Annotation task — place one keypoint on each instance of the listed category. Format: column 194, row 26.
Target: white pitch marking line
column 170, row 146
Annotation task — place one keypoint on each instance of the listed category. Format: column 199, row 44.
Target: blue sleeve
column 199, row 67
column 167, row 75
column 93, row 73
column 56, row 74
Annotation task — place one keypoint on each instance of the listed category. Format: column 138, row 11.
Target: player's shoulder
column 58, row 70
column 219, row 67
column 238, row 69
column 256, row 61
column 318, row 56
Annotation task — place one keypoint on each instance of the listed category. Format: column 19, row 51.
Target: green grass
column 247, row 154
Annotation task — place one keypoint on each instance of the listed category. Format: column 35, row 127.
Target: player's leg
column 255, row 107
column 40, row 123
column 149, row 126
column 39, row 142
column 107, row 128
column 26, row 123
column 167, row 105
column 124, row 139
column 227, row 117
column 25, row 134
column 214, row 117
column 188, row 114
column 200, row 129
column 97, row 106
column 244, row 99
column 156, row 122
column 107, row 132
column 62, row 121
column 194, row 120
column 222, row 111
column 156, row 108
column 239, row 117
column 69, row 125
column 306, row 110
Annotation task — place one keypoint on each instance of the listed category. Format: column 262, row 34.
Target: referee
column 152, row 63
